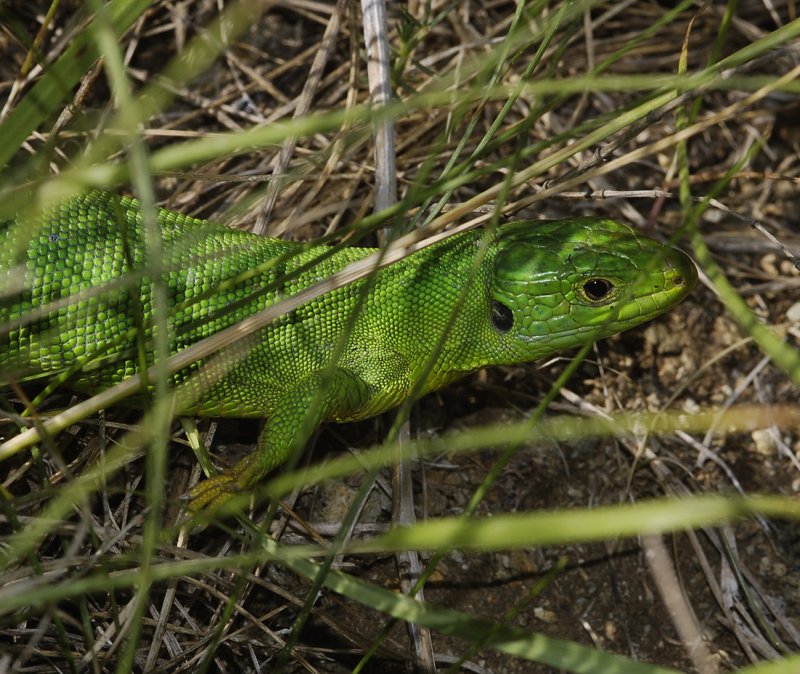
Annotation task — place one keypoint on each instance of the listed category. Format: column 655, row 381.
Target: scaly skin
column 540, row 287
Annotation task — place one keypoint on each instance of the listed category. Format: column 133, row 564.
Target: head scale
column 562, row 283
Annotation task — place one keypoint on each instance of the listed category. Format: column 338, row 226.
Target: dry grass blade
column 481, row 110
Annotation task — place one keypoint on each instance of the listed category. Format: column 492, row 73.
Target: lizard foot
column 210, row 495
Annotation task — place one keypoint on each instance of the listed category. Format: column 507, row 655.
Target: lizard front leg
column 322, row 395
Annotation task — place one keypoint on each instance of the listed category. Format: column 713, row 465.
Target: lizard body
column 71, row 299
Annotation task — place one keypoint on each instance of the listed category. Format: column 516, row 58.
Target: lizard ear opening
column 502, row 318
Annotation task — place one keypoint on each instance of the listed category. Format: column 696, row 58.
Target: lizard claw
column 210, row 495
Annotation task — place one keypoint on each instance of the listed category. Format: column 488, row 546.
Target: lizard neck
column 443, row 310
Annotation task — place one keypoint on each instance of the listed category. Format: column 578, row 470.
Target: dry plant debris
column 460, row 67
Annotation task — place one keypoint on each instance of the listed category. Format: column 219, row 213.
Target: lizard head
column 559, row 284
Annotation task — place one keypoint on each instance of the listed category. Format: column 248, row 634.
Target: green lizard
column 535, row 288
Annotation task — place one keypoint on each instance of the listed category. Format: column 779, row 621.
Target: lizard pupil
column 502, row 318
column 597, row 288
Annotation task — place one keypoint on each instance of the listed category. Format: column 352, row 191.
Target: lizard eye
column 597, row 289
column 502, row 318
